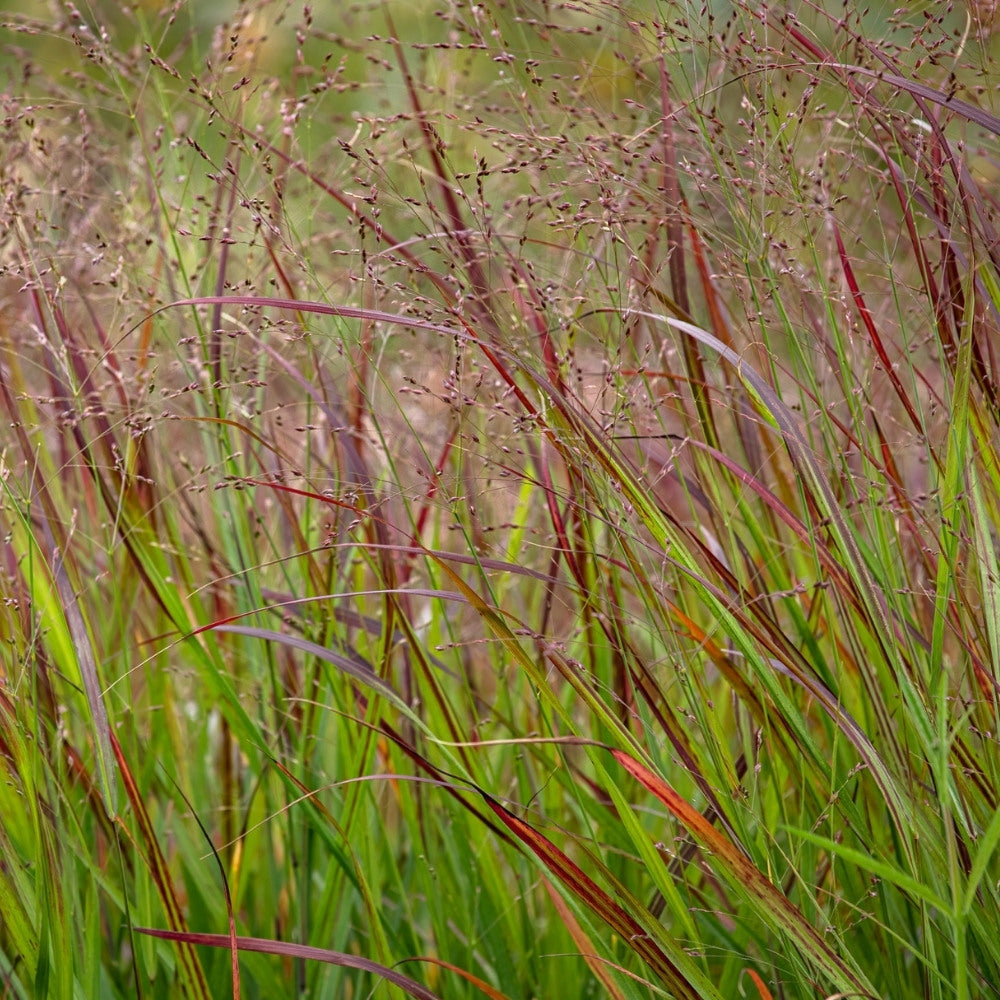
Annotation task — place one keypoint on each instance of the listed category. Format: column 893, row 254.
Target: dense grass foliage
column 500, row 500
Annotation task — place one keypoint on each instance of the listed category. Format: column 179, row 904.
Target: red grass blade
column 873, row 334
column 589, row 893
column 302, row 951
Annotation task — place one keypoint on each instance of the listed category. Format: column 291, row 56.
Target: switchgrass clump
column 500, row 499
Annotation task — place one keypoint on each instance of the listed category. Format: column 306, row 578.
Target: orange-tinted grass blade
column 768, row 901
column 587, row 950
column 765, row 993
column 480, row 984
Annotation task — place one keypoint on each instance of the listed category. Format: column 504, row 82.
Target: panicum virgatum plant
column 499, row 499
